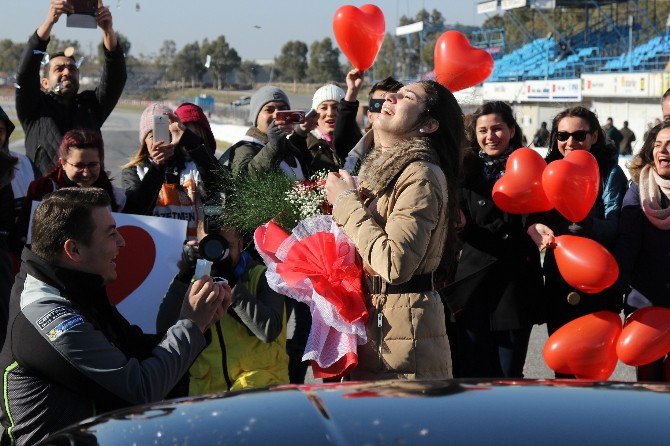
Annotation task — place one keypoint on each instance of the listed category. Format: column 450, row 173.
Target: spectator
column 495, row 296
column 81, row 163
column 46, row 114
column 348, row 140
column 69, row 353
column 24, row 171
column 401, row 217
column 578, row 129
column 266, row 145
column 541, row 137
column 646, row 132
column 644, row 235
column 612, row 134
column 315, row 137
column 246, row 348
column 628, row 137
column 162, row 178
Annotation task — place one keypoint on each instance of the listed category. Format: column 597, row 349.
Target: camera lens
column 214, row 248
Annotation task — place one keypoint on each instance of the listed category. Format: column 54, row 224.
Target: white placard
column 487, row 7
column 511, row 4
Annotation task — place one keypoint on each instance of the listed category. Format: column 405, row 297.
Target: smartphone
column 161, row 130
column 376, row 105
column 290, row 116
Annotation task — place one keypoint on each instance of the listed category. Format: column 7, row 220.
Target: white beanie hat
column 328, row 92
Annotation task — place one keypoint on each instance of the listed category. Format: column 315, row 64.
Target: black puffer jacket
column 45, row 120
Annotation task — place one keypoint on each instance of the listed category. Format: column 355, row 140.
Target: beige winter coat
column 398, row 222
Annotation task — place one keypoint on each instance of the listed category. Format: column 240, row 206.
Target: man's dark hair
column 44, row 69
column 543, row 125
column 625, row 123
column 389, row 84
column 62, row 215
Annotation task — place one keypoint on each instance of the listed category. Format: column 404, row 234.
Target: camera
column 213, row 247
column 290, row 116
column 376, row 105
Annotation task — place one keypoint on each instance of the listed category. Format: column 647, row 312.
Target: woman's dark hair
column 598, row 149
column 447, row 141
column 645, row 156
column 501, row 109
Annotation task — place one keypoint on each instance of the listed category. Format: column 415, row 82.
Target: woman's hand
column 176, row 128
column 337, row 183
column 542, row 235
column 161, row 152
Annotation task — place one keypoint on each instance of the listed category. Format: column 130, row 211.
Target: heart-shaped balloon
column 359, row 33
column 458, row 64
column 571, row 184
column 133, row 264
column 585, row 264
column 520, row 190
column 645, row 336
column 585, row 347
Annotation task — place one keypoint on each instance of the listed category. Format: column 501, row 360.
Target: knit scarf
column 494, row 167
column 652, row 189
column 382, row 166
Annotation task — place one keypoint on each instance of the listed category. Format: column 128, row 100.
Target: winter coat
column 498, row 274
column 399, row 227
column 346, row 133
column 317, row 154
column 255, row 155
column 643, row 252
column 45, row 120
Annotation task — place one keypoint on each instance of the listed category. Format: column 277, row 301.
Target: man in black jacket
column 69, row 354
column 50, row 105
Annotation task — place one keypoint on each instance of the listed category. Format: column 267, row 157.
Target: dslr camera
column 213, row 247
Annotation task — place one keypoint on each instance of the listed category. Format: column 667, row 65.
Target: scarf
column 381, row 167
column 494, row 167
column 653, row 188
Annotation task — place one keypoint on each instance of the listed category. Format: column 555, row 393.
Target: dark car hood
column 396, row 413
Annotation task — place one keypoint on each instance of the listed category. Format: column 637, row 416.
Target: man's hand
column 205, row 301
column 56, row 9
column 354, row 81
column 103, row 17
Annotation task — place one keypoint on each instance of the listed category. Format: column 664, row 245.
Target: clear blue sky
column 186, row 21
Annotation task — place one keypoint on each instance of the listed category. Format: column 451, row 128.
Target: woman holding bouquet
column 401, row 217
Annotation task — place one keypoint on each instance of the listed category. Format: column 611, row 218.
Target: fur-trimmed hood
column 382, row 167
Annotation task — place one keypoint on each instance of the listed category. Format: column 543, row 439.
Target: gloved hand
column 277, row 136
column 186, row 265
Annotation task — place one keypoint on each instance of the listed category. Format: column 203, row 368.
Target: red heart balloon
column 585, row 264
column 645, row 336
column 585, row 347
column 359, row 33
column 133, row 264
column 459, row 65
column 571, row 184
column 520, row 190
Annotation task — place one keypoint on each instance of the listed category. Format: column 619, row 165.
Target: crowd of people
column 453, row 284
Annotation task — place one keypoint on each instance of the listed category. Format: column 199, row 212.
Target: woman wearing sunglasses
column 578, row 128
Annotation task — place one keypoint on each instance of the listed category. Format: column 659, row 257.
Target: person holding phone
column 315, row 136
column 266, row 145
column 163, row 176
column 49, row 104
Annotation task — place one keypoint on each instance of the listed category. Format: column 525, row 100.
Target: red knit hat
column 189, row 112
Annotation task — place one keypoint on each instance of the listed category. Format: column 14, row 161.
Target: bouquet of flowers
column 308, row 258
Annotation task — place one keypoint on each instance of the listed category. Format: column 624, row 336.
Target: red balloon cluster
column 585, row 264
column 359, row 33
column 458, row 65
column 645, row 337
column 520, row 190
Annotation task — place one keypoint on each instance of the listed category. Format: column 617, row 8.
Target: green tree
column 188, row 65
column 123, row 42
column 384, row 63
column 324, row 63
column 247, row 72
column 166, row 54
column 11, row 55
column 292, row 61
column 56, row 45
column 224, row 59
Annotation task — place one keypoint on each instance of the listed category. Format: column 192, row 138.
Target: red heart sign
column 133, row 264
column 585, row 347
column 520, row 190
column 571, row 184
column 585, row 264
column 359, row 33
column 459, row 65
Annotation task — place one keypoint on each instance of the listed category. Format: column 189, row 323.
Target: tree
column 224, row 59
column 188, row 65
column 324, row 63
column 292, row 61
column 166, row 54
column 384, row 64
column 11, row 55
column 123, row 42
column 248, row 71
column 55, row 45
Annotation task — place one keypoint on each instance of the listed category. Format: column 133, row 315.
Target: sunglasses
column 579, row 135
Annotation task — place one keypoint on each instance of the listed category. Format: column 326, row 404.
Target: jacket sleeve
column 141, row 194
column 68, row 350
column 170, row 307
column 605, row 229
column 211, row 171
column 112, row 81
column 28, row 95
column 395, row 250
column 346, row 133
column 249, row 159
column 629, row 242
column 262, row 314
